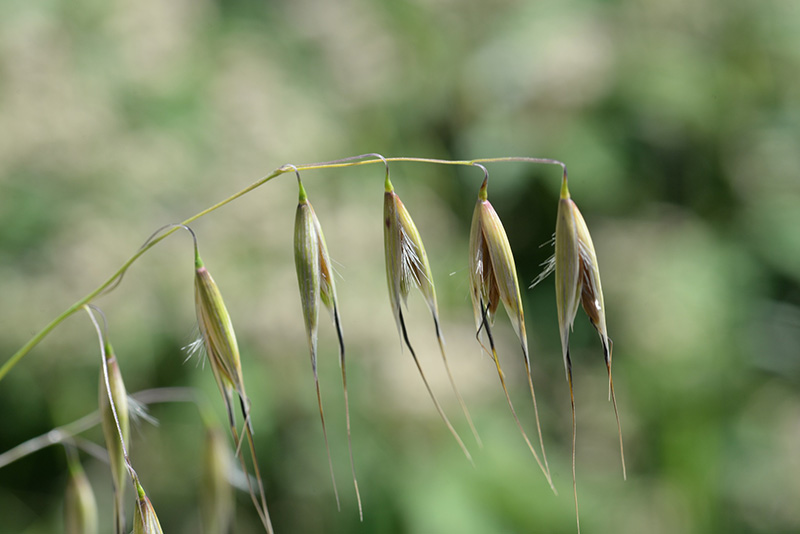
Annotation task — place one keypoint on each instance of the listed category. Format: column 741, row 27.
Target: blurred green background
column 680, row 124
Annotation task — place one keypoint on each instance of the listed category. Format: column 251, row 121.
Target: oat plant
column 407, row 267
column 222, row 350
column 316, row 282
column 577, row 275
column 492, row 280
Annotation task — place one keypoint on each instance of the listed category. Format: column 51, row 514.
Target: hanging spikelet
column 145, row 520
column 115, row 443
column 219, row 340
column 493, row 279
column 578, row 282
column 80, row 506
column 406, row 268
column 315, row 279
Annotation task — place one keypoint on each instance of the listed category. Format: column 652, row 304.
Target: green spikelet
column 145, row 520
column 115, row 447
column 80, row 506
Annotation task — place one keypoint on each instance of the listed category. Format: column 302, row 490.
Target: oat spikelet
column 80, row 506
column 315, row 279
column 594, row 306
column 222, row 349
column 145, row 520
column 578, row 282
column 219, row 339
column 493, row 279
column 116, row 446
column 406, row 268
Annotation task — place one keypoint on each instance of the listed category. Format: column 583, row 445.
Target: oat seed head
column 577, row 275
column 308, row 258
column 591, row 288
column 145, row 520
column 80, row 506
column 407, row 267
column 578, row 282
column 219, row 339
column 316, row 284
column 567, row 268
column 493, row 278
column 407, row 264
column 115, row 447
column 308, row 266
column 493, row 273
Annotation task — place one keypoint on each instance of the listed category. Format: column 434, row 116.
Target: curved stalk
column 13, row 360
column 346, row 162
column 70, row 431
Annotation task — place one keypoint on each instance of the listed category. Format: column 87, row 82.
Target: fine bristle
column 574, row 434
column 340, row 337
column 493, row 353
column 619, row 426
column 463, row 404
column 430, row 392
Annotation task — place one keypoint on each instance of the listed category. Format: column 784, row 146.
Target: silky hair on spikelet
column 407, row 268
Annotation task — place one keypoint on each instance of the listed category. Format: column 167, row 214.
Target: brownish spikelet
column 493, row 278
column 568, row 295
column 578, row 281
column 594, row 306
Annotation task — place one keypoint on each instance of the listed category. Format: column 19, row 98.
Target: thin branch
column 345, row 162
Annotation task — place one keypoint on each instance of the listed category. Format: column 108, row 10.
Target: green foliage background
column 679, row 122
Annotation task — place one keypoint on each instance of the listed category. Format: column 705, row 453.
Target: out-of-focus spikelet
column 145, row 520
column 115, row 447
column 80, row 506
column 217, row 491
column 493, row 279
column 407, row 267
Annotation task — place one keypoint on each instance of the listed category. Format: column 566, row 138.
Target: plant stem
column 346, row 162
column 11, row 362
column 71, row 430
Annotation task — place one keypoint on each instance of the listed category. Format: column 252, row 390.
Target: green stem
column 71, row 430
column 346, row 162
column 11, row 362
